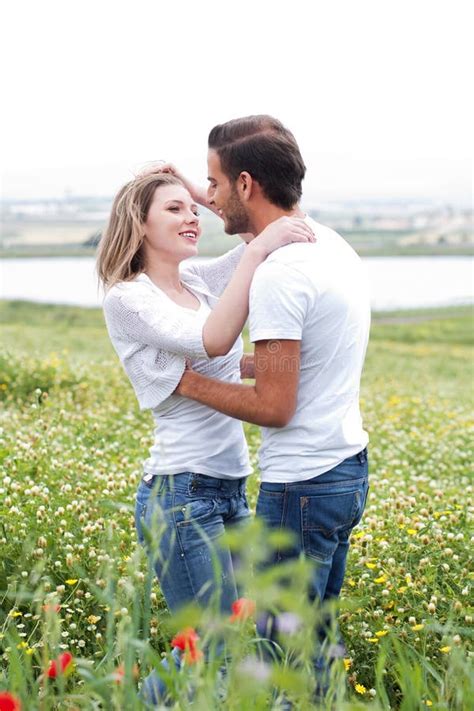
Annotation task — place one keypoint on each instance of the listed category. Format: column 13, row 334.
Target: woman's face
column 172, row 227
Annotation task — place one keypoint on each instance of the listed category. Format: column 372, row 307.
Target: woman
column 158, row 317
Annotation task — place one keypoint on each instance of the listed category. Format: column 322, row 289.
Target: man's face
column 223, row 195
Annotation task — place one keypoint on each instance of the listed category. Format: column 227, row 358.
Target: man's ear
column 245, row 185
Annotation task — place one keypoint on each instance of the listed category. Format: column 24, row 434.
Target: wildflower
column 186, row 641
column 93, row 619
column 427, row 702
column 373, row 640
column 8, row 702
column 382, row 579
column 445, row 650
column 255, row 668
column 119, row 673
column 242, row 609
column 381, row 633
column 417, row 628
column 65, row 663
column 360, row 688
column 347, row 663
column 51, row 608
column 371, row 566
column 15, row 613
column 71, row 581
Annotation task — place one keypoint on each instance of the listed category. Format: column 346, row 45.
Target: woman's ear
column 245, row 185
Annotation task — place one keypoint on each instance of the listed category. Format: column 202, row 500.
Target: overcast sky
column 377, row 93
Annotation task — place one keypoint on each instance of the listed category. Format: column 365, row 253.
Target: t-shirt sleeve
column 280, row 297
column 138, row 316
column 216, row 273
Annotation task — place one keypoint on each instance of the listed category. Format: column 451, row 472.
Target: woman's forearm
column 227, row 319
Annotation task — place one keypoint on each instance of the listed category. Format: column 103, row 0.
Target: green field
column 71, row 445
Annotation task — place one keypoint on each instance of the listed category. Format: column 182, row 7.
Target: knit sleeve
column 216, row 273
column 137, row 315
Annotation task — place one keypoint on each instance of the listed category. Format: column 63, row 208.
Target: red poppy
column 64, row 661
column 8, row 702
column 119, row 673
column 51, row 608
column 242, row 609
column 187, row 642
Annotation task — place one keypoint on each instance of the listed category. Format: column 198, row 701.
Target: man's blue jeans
column 321, row 512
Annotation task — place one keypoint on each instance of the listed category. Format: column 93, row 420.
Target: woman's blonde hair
column 120, row 254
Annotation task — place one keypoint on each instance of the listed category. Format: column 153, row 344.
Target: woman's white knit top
column 153, row 336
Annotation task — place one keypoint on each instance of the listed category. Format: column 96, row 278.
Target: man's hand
column 271, row 402
column 247, row 366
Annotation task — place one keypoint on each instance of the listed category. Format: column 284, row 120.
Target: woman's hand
column 281, row 232
column 198, row 194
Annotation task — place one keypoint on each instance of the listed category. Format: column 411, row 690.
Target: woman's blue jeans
column 181, row 519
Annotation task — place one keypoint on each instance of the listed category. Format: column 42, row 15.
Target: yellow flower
column 427, row 702
column 71, row 581
column 371, row 566
column 394, row 400
column 358, row 535
column 374, row 640
column 411, row 531
column 360, row 688
column 29, row 651
column 445, row 650
column 22, row 645
column 92, row 619
column 382, row 579
column 15, row 613
column 417, row 628
column 402, row 589
column 381, row 633
column 351, row 583
column 347, row 663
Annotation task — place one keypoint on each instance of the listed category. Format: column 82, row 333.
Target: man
column 309, row 318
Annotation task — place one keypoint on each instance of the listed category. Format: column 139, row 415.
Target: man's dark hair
column 263, row 147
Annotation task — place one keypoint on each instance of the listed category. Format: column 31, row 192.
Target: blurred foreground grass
column 72, row 443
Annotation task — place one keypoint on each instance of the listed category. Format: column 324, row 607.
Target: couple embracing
column 176, row 328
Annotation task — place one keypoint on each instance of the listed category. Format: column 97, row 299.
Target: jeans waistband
column 194, row 483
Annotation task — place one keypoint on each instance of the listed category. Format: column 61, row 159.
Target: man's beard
column 236, row 218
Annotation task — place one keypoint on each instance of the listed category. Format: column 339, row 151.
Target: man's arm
column 271, row 402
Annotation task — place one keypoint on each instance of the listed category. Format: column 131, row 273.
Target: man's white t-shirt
column 317, row 294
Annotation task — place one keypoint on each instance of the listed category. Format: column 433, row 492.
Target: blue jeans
column 181, row 519
column 321, row 512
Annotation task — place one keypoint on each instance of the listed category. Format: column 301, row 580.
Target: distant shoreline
column 50, row 251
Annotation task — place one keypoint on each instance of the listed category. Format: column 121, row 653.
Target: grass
column 71, row 445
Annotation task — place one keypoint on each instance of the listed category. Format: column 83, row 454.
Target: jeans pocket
column 270, row 506
column 190, row 511
column 326, row 518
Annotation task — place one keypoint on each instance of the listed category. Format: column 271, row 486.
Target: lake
column 396, row 282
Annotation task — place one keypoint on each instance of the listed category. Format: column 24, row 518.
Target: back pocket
column 326, row 519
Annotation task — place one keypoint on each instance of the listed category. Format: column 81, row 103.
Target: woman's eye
column 174, row 208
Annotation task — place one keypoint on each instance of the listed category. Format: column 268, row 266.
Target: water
column 396, row 282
